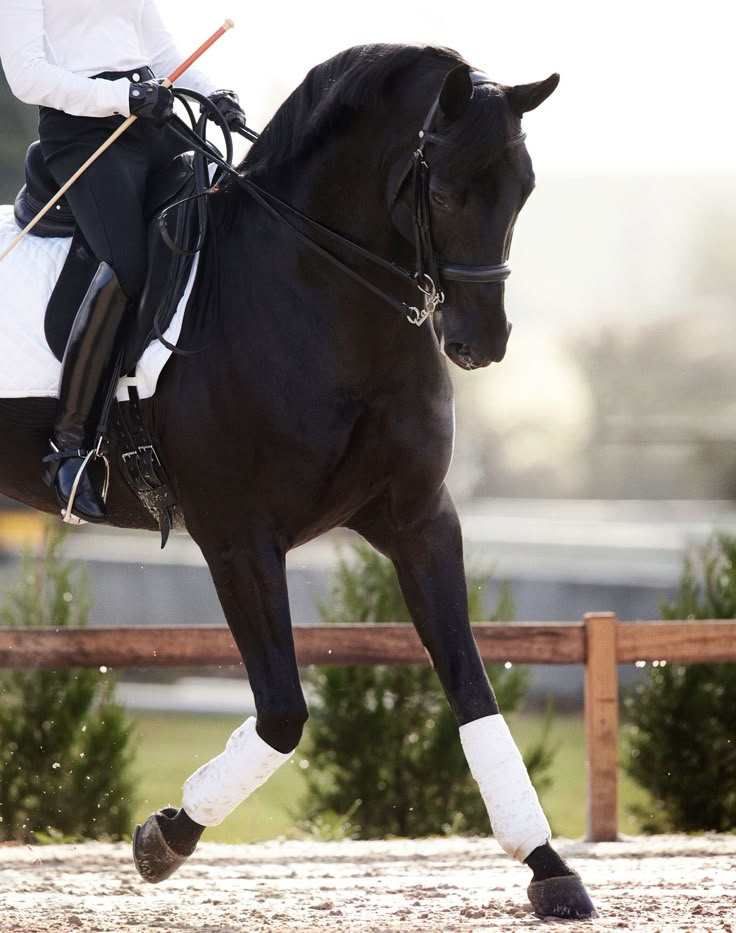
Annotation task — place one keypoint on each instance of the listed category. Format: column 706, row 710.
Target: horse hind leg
column 252, row 591
column 428, row 557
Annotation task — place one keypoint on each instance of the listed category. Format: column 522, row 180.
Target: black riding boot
column 87, row 367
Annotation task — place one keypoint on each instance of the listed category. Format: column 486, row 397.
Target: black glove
column 151, row 99
column 228, row 103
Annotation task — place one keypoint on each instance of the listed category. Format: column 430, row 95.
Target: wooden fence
column 600, row 642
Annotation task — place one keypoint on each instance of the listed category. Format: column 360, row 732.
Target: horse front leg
column 250, row 579
column 428, row 556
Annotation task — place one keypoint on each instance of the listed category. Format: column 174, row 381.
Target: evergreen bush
column 383, row 750
column 682, row 720
column 64, row 752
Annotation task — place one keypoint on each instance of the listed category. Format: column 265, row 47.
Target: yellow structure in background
column 21, row 530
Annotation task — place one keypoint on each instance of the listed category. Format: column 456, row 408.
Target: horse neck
column 342, row 185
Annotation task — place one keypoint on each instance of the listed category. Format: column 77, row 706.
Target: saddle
column 174, row 232
column 169, row 263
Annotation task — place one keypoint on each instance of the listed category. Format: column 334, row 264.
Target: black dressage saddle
column 168, row 269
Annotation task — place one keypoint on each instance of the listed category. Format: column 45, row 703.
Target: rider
column 88, row 65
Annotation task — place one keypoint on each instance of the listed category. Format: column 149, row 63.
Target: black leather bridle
column 430, row 273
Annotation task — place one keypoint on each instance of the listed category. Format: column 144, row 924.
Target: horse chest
column 401, row 446
column 350, row 446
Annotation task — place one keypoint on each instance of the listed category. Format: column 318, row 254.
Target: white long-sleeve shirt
column 50, row 48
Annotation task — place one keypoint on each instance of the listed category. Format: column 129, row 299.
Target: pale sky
column 646, row 86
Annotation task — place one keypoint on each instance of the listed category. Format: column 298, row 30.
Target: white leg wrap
column 217, row 788
column 518, row 822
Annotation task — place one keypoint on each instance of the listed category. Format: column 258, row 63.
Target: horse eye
column 441, row 200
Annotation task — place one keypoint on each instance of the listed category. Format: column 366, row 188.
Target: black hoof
column 564, row 898
column 153, row 856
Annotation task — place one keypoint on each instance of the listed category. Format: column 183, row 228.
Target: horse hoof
column 153, row 856
column 564, row 897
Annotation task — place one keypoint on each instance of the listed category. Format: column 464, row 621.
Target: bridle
column 429, row 273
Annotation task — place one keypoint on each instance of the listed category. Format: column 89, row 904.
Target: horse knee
column 282, row 728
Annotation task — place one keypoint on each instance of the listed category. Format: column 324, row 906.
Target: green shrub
column 682, row 719
column 64, row 755
column 383, row 747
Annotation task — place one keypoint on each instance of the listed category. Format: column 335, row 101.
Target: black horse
column 314, row 403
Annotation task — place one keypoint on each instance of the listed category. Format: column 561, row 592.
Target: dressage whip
column 167, row 82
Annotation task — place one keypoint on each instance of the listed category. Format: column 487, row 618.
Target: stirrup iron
column 54, row 460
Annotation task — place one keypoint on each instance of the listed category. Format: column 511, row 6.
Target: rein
column 273, row 205
column 429, row 272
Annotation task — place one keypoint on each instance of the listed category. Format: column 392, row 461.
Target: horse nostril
column 461, row 354
column 509, row 325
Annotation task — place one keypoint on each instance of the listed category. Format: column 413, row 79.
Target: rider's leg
column 89, row 363
column 107, row 203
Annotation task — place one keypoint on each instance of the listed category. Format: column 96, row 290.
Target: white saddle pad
column 27, row 277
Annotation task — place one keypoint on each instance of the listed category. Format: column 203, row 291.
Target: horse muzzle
column 473, row 353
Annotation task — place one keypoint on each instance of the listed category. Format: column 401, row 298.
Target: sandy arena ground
column 665, row 883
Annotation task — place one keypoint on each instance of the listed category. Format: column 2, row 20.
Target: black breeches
column 108, row 200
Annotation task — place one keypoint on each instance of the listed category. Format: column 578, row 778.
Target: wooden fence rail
column 600, row 642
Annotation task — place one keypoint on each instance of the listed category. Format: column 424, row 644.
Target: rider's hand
column 151, row 99
column 228, row 103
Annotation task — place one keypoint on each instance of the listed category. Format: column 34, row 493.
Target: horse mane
column 350, row 81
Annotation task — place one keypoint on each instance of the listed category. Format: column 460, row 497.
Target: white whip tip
column 228, row 24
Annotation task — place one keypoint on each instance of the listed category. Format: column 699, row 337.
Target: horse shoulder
column 420, row 437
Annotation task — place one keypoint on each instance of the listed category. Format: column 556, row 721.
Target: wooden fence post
column 601, row 725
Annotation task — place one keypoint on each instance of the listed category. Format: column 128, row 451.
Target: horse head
column 406, row 162
column 477, row 175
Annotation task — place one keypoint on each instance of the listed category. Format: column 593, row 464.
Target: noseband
column 430, row 273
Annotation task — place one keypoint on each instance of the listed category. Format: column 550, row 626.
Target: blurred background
column 604, row 446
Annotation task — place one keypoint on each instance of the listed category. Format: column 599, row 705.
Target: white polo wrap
column 518, row 822
column 217, row 788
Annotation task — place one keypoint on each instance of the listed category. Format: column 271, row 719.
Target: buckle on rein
column 433, row 298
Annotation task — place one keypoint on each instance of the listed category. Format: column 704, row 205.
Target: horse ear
column 525, row 97
column 456, row 93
